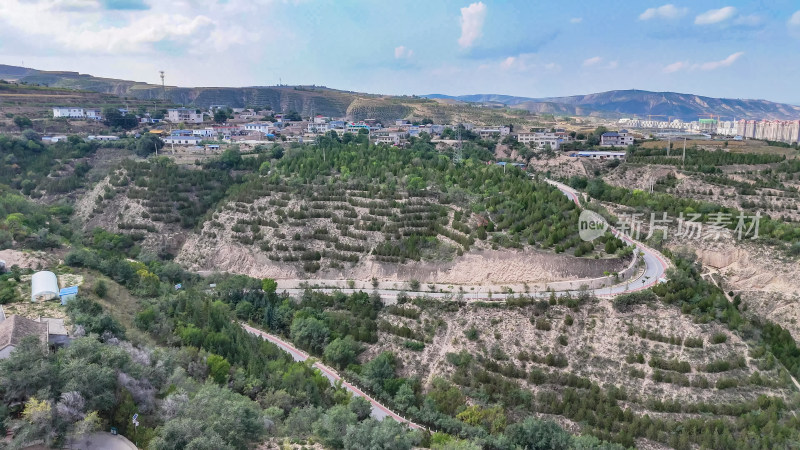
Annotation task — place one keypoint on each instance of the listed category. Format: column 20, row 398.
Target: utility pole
column 683, row 161
column 163, row 87
column 669, row 143
column 458, row 156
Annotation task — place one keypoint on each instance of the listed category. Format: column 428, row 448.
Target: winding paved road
column 655, row 263
column 379, row 411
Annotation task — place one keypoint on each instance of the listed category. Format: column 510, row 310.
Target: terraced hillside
column 363, row 210
column 625, row 374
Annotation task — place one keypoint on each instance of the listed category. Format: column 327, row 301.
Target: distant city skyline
column 733, row 48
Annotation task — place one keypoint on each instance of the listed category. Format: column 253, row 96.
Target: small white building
column 205, row 132
column 491, row 131
column 318, row 127
column 44, row 286
column 182, row 140
column 541, row 139
column 185, row 115
column 93, row 114
column 599, row 155
column 69, row 112
column 260, row 127
column 102, row 138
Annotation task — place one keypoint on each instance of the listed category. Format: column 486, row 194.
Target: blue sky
column 535, row 48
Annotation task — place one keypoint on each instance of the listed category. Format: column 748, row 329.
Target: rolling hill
column 641, row 103
column 333, row 102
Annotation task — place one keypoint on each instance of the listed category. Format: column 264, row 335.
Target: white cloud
column 794, row 21
column 706, row 66
column 80, row 26
column 472, row 18
column 592, row 61
column 508, row 62
column 576, row 20
column 668, row 11
column 713, row 16
column 676, row 66
column 402, row 52
column 724, row 63
column 612, row 65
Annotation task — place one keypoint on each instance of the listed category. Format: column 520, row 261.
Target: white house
column 540, row 139
column 205, row 132
column 260, row 127
column 186, row 115
column 599, row 155
column 102, row 138
column 182, row 140
column 94, row 114
column 489, row 131
column 318, row 127
column 70, row 112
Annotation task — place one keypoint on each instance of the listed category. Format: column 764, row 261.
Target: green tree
column 22, row 122
column 379, row 370
column 269, row 285
column 310, row 333
column 342, row 352
column 538, row 435
column 448, row 398
column 220, row 116
column 100, row 289
column 218, row 368
column 114, row 118
column 332, row 426
column 215, row 417
column 383, row 435
column 148, row 144
column 361, row 407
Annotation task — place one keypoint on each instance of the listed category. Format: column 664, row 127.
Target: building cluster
column 710, row 126
column 787, row 131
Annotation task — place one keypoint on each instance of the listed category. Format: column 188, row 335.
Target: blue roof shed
column 67, row 294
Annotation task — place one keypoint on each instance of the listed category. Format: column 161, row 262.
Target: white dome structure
column 44, row 286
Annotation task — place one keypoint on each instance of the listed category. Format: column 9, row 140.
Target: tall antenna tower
column 163, row 86
column 458, row 155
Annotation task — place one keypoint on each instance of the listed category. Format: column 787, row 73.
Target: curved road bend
column 655, row 263
column 379, row 411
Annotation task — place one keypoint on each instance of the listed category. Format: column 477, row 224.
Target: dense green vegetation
column 35, row 168
column 699, row 160
column 201, row 381
column 419, row 205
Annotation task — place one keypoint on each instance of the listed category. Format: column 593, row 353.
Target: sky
column 531, row 48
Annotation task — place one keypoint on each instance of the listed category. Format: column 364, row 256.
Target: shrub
column 543, row 324
column 671, row 364
column 414, row 345
column 626, row 302
column 719, row 338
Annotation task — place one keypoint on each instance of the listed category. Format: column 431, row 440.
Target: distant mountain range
column 332, row 102
column 661, row 105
